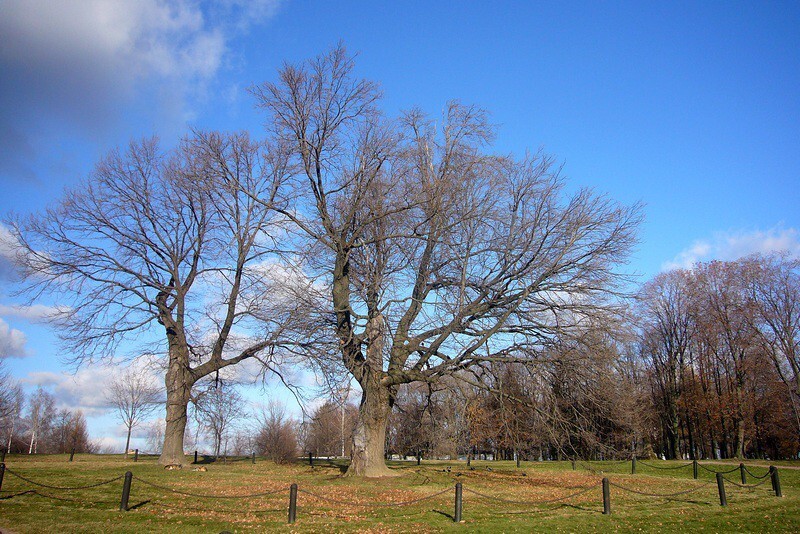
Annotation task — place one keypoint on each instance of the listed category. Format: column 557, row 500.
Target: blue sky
column 691, row 108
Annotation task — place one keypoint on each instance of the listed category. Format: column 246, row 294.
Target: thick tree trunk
column 369, row 437
column 179, row 386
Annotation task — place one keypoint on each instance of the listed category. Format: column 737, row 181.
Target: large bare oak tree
column 440, row 256
column 165, row 252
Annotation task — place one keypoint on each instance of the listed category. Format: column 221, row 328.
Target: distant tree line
column 32, row 424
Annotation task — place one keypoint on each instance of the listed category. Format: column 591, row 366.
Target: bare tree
column 218, row 408
column 775, row 290
column 277, row 436
column 133, row 397
column 12, row 399
column 170, row 246
column 41, row 413
column 439, row 256
column 667, row 330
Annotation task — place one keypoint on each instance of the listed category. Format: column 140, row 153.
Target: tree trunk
column 369, row 437
column 128, row 441
column 179, row 384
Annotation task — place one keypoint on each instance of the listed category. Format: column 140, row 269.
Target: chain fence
column 765, row 475
column 48, row 486
column 647, row 494
column 715, row 472
column 208, row 496
column 294, row 490
column 663, row 467
column 331, row 500
column 583, row 490
column 749, row 486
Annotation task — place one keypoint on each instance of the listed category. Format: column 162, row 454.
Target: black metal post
column 606, row 497
column 2, row 473
column 573, row 465
column 195, row 457
column 459, row 501
column 723, row 499
column 517, row 453
column 136, row 455
column 126, row 492
column 776, row 481
column 742, row 473
column 72, row 454
column 254, row 457
column 292, row 503
column 310, row 459
column 469, row 459
column 633, row 465
column 419, row 457
column 694, row 469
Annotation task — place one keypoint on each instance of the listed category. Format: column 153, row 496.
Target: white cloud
column 12, row 342
column 733, row 245
column 79, row 63
column 8, row 248
column 86, row 389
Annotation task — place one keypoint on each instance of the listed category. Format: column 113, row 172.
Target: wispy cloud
column 35, row 312
column 733, row 245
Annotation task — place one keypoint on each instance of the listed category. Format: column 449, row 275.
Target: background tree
column 133, row 397
column 277, row 435
column 439, row 256
column 12, row 400
column 41, row 413
column 219, row 406
column 167, row 245
column 330, row 429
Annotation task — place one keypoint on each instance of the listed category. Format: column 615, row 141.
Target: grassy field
column 497, row 497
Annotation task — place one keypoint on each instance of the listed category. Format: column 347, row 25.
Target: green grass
column 348, row 505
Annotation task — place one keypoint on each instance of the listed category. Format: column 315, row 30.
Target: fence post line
column 458, row 504
column 292, row 503
column 2, row 473
column 195, row 457
column 469, row 459
column 776, row 481
column 723, row 499
column 254, row 457
column 126, row 492
column 633, row 465
column 72, row 454
column 310, row 459
column 743, row 474
column 573, row 465
column 136, row 455
column 606, row 497
column 694, row 469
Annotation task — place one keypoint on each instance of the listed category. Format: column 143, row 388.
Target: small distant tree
column 154, row 435
column 69, row 432
column 41, row 412
column 277, row 437
column 331, row 428
column 217, row 410
column 12, row 399
column 133, row 397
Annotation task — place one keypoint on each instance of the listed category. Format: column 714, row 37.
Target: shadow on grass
column 448, row 516
column 138, row 505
